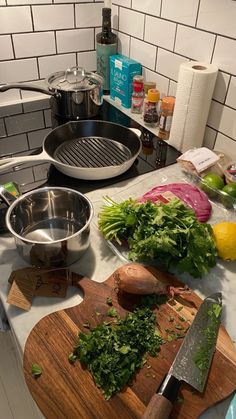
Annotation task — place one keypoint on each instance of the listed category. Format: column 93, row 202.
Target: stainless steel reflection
column 51, row 226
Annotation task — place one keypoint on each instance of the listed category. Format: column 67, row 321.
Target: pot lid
column 74, row 79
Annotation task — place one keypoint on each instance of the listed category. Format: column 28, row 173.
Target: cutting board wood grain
column 66, row 391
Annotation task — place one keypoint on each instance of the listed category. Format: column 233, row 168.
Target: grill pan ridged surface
column 92, row 152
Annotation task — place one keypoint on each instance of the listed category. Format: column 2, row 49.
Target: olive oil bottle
column 106, row 45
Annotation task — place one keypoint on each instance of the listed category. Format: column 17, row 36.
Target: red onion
column 191, row 195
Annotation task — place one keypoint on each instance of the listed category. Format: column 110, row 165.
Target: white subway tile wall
column 6, row 50
column 38, row 37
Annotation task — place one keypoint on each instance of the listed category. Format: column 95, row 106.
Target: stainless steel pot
column 76, row 94
column 90, row 150
column 51, row 225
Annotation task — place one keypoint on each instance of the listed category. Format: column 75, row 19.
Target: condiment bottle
column 166, row 114
column 106, row 45
column 150, row 114
column 137, row 95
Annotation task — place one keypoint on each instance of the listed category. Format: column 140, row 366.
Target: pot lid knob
column 75, row 75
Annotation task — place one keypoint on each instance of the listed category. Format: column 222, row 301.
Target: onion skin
column 134, row 278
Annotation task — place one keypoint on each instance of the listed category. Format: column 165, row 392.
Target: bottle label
column 168, row 123
column 103, row 64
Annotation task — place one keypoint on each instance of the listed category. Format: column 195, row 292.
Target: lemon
column 225, row 239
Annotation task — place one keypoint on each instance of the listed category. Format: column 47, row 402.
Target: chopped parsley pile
column 114, row 351
column 168, row 233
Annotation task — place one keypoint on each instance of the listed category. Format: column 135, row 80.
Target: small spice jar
column 166, row 114
column 137, row 95
column 149, row 85
column 150, row 114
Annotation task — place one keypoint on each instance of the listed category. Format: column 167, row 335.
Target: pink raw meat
column 191, row 195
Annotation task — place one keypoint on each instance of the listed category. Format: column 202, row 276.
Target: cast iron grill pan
column 92, row 152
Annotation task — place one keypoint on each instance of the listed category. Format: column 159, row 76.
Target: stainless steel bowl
column 51, row 226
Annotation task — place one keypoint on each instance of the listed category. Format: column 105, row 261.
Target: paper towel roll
column 193, row 99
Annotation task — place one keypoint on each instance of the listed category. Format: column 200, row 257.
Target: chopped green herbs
column 203, row 356
column 114, row 352
column 168, row 233
column 36, row 370
column 112, row 312
column 109, row 301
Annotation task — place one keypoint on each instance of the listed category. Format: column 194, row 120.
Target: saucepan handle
column 32, row 88
column 16, row 161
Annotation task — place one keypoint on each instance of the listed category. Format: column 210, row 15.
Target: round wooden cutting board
column 68, row 391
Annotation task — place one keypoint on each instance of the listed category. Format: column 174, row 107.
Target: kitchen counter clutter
column 99, row 262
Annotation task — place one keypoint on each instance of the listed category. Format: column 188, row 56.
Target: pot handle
column 6, row 196
column 32, row 88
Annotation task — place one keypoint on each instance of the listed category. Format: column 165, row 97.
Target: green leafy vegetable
column 36, row 370
column 168, row 233
column 114, row 352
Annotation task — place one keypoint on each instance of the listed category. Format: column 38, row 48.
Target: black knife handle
column 161, row 403
column 169, row 388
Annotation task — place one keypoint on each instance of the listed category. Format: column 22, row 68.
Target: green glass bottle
column 106, row 45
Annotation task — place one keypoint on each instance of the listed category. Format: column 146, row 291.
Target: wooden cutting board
column 68, row 391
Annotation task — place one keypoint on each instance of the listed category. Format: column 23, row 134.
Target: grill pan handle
column 16, row 161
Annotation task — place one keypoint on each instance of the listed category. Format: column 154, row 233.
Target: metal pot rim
column 47, row 188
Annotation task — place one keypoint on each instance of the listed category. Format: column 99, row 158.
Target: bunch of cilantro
column 113, row 352
column 168, row 233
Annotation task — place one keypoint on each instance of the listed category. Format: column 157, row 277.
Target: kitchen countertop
column 99, row 262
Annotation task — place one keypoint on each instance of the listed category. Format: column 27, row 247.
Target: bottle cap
column 138, row 78
column 168, row 103
column 149, row 85
column 106, row 12
column 153, row 95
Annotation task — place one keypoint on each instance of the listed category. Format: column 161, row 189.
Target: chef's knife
column 193, row 360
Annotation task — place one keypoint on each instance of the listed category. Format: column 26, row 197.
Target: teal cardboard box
column 122, row 71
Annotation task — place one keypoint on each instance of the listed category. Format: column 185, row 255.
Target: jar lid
column 149, row 85
column 153, row 95
column 168, row 103
column 138, row 78
column 74, row 79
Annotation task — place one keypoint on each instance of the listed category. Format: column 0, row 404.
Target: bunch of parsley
column 169, row 233
column 113, row 352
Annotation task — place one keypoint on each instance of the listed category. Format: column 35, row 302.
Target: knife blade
column 193, row 360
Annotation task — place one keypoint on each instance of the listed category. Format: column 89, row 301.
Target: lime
column 212, row 182
column 228, row 197
column 230, row 189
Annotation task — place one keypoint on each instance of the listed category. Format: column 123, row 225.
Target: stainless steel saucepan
column 75, row 93
column 51, row 225
column 90, row 150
